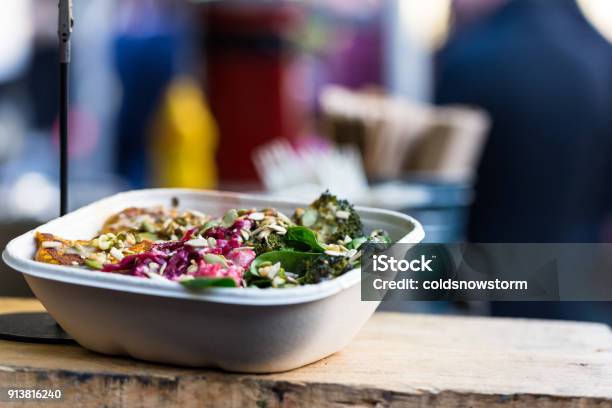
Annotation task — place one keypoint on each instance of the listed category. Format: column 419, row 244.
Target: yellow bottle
column 184, row 138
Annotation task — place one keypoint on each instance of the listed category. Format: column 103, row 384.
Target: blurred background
column 487, row 120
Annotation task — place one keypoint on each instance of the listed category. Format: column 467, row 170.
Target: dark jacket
column 545, row 76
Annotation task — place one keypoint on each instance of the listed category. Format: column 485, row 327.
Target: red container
column 249, row 60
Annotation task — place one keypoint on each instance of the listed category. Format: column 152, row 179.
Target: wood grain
column 397, row 360
column 10, row 305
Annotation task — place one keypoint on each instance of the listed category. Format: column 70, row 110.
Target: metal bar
column 64, row 30
column 63, row 119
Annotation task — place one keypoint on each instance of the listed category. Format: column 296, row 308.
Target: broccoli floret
column 272, row 242
column 324, row 267
column 331, row 218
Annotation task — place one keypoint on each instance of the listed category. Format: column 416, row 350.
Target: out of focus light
column 16, row 32
column 426, row 22
column 32, row 196
column 599, row 13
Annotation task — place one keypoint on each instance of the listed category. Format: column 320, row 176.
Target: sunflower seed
column 283, row 218
column 274, row 270
column 51, row 244
column 279, row 229
column 257, row 216
column 344, row 215
column 245, row 234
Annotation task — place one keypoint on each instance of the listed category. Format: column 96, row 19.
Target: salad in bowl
column 245, row 247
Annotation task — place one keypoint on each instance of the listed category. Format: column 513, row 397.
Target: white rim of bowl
column 239, row 296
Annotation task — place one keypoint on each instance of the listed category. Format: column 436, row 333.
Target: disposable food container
column 235, row 329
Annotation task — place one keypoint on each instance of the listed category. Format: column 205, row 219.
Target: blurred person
column 469, row 12
column 545, row 76
column 147, row 48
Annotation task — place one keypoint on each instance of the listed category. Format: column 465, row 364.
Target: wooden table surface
column 398, row 360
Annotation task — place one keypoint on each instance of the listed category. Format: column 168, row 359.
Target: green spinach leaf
column 304, row 238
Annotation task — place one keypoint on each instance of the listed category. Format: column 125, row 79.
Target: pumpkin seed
column 93, row 264
column 215, row 259
column 198, row 242
column 229, row 218
column 310, row 217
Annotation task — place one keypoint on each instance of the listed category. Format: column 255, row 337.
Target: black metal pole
column 64, row 31
column 63, row 141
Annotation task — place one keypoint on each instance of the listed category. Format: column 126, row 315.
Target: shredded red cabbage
column 176, row 260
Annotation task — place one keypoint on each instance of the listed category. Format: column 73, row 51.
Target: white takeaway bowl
column 246, row 330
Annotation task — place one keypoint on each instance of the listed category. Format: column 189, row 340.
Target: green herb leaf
column 202, row 283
